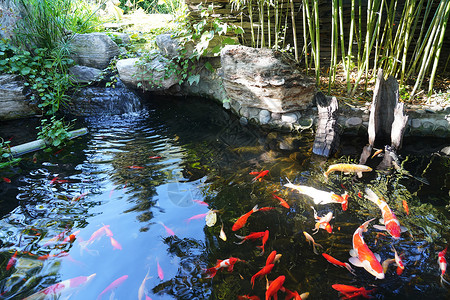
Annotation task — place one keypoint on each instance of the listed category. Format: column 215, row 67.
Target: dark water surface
column 139, row 173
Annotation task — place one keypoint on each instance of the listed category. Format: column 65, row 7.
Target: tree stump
column 327, row 133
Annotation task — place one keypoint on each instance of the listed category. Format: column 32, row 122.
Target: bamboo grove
column 404, row 38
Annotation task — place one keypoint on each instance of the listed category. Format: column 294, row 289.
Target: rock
column 264, row 116
column 150, row 76
column 289, row 118
column 93, row 50
column 83, row 74
column 266, row 79
column 119, row 37
column 14, row 99
column 167, row 45
column 445, row 151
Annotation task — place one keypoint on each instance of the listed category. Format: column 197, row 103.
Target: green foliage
column 54, row 132
column 6, row 159
column 151, row 6
column 44, row 72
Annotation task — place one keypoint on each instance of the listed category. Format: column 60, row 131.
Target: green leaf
column 25, row 71
column 229, row 41
column 209, row 67
column 193, row 79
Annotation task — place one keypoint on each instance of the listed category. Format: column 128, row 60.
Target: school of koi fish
column 360, row 254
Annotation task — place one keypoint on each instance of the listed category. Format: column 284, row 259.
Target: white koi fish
column 320, row 197
column 347, row 168
column 362, row 256
column 390, row 221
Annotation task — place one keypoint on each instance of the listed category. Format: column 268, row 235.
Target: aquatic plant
column 55, row 132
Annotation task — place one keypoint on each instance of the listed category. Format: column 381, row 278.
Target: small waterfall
column 93, row 100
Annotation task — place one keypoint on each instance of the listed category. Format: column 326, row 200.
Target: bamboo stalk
column 317, row 53
column 294, row 29
column 334, row 44
column 305, row 38
column 268, row 24
column 350, row 43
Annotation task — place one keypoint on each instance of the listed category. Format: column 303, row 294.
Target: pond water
column 150, row 177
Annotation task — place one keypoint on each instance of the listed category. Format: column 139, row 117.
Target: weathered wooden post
column 326, row 141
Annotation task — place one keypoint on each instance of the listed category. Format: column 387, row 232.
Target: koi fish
column 243, row 219
column 251, row 236
column 113, row 285
column 160, row 271
column 264, row 240
column 322, row 222
column 350, row 291
column 71, row 238
column 347, row 169
column 227, row 263
column 135, row 167
column 272, row 258
column 267, row 208
column 7, row 180
column 12, row 261
column 64, row 286
column 222, row 234
column 398, row 262
column 259, row 175
column 155, row 157
column 57, row 180
column 282, row 201
column 108, row 231
column 47, row 256
column 264, row 271
column 274, row 287
column 386, row 264
column 320, row 197
column 376, row 153
column 405, row 206
column 141, row 290
column 200, row 202
column 390, row 221
column 443, row 264
column 338, row 263
column 295, row 295
column 310, row 239
column 196, row 217
column 362, row 256
column 247, row 297
column 55, row 239
column 115, row 244
column 168, row 230
column 76, row 198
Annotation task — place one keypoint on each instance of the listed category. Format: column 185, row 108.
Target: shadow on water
column 147, row 176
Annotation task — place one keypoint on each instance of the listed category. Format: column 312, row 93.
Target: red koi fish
column 57, row 180
column 7, row 180
column 113, row 285
column 310, row 239
column 66, row 286
column 71, row 238
column 247, row 297
column 390, row 221
column 47, row 256
column 264, row 241
column 405, row 206
column 251, row 236
column 264, row 271
column 272, row 258
column 243, row 219
column 160, row 271
column 155, row 157
column 294, row 295
column 196, row 217
column 338, row 263
column 320, row 197
column 351, row 292
column 200, row 202
column 274, row 287
column 322, row 222
column 168, row 230
column 362, row 256
column 135, row 167
column 267, row 208
column 227, row 263
column 75, row 199
column 259, row 175
column 12, row 261
column 443, row 264
column 282, row 201
column 398, row 262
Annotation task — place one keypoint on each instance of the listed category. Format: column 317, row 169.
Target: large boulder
column 14, row 99
column 265, row 79
column 93, row 49
column 151, row 75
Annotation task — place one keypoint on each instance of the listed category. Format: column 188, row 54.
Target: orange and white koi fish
column 273, row 258
column 251, row 236
column 320, row 197
column 282, row 201
column 398, row 262
column 71, row 238
column 243, row 219
column 264, row 240
column 362, row 256
column 294, row 295
column 59, row 288
column 141, row 290
column 113, row 285
column 390, row 221
column 443, row 264
column 310, row 239
column 222, row 234
column 323, row 222
column 115, row 244
column 160, row 271
column 338, row 263
column 259, row 175
column 227, row 263
column 347, row 169
column 352, row 292
column 274, row 287
column 12, row 261
column 264, row 271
